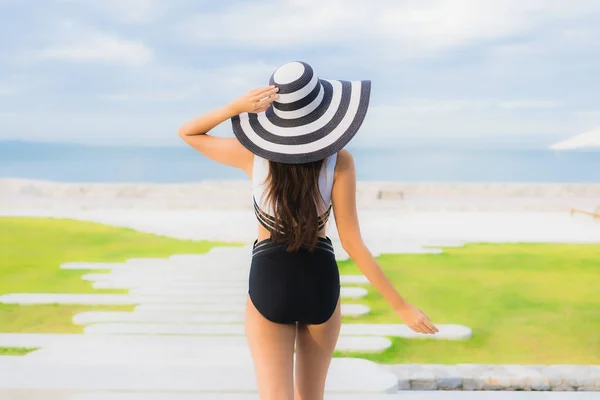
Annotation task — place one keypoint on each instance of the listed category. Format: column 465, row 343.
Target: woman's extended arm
column 228, row 151
column 346, row 219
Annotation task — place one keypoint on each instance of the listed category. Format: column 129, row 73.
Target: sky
column 132, row 71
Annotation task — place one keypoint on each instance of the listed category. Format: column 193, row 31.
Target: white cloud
column 530, row 66
column 99, row 127
column 17, row 84
column 427, row 106
column 126, row 11
column 395, row 28
column 591, row 118
column 6, row 90
column 206, row 86
column 151, row 96
column 477, row 119
column 98, row 47
column 530, row 104
column 564, row 40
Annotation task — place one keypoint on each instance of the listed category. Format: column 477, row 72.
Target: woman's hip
column 300, row 286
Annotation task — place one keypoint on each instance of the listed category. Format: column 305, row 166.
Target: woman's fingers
column 433, row 327
column 263, row 91
column 427, row 328
column 265, row 95
column 267, row 100
column 256, row 91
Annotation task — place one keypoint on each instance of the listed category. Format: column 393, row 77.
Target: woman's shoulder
column 344, row 161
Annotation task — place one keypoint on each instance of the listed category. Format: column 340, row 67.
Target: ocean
column 414, row 163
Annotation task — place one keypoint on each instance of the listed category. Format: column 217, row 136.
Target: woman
column 289, row 141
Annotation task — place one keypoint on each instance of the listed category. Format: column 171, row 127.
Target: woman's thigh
column 272, row 349
column 315, row 345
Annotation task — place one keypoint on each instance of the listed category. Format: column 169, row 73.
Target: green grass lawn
column 32, row 249
column 526, row 303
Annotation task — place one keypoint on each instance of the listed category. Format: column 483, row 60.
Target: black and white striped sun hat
column 312, row 119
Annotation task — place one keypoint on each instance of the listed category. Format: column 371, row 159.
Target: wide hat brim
column 275, row 136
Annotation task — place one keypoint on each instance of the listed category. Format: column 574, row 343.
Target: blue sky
column 131, row 71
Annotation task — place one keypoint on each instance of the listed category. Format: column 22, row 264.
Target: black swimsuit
column 300, row 286
column 289, row 287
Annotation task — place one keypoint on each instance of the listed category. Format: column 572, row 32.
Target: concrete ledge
column 497, row 377
column 412, row 395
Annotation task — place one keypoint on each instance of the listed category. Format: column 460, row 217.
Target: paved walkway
column 133, row 356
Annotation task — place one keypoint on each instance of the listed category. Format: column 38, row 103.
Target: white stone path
column 203, row 375
column 173, row 330
column 116, row 374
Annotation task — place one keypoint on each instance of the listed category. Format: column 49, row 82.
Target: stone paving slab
column 409, row 395
column 165, row 297
column 84, row 344
column 446, row 331
column 191, row 291
column 345, row 375
column 398, row 330
column 112, row 299
column 198, row 284
column 163, row 264
column 211, row 269
column 345, row 292
column 208, row 277
column 92, row 265
column 351, row 310
column 92, row 317
column 111, row 282
column 218, row 353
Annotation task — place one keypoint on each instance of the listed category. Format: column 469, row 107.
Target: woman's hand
column 415, row 319
column 255, row 101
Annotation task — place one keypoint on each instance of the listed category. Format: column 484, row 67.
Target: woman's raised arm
column 228, row 151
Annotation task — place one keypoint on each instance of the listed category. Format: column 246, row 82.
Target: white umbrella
column 587, row 139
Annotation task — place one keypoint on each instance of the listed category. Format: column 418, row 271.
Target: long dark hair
column 293, row 192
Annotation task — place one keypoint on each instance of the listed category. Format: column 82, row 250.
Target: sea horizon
column 434, row 162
